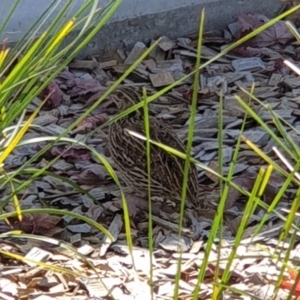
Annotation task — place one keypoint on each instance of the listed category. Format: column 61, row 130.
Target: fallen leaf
column 36, row 223
column 244, row 182
column 56, row 94
column 66, row 75
column 73, row 153
column 92, row 175
column 276, row 34
column 93, row 121
column 95, row 97
column 83, row 87
column 136, row 204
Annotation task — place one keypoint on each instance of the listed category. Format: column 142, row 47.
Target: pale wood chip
column 53, row 129
column 173, row 243
column 214, row 166
column 75, row 238
column 250, row 63
column 196, row 247
column 80, row 228
column 138, row 49
column 107, row 64
column 291, row 81
column 171, row 65
column 275, row 79
column 170, row 225
column 186, row 287
column 57, row 289
column 83, row 64
column 68, row 218
column 62, row 165
column 98, row 193
column 46, row 297
column 25, row 150
column 157, row 53
column 45, row 120
column 166, row 44
column 13, row 161
column 165, row 288
column 161, row 79
column 8, row 287
column 95, row 287
column 114, row 229
column 231, row 105
column 38, row 255
column 139, row 290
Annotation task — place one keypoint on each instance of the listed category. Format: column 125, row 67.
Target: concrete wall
column 141, row 19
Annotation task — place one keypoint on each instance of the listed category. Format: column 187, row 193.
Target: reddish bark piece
column 73, row 153
column 37, row 223
column 92, row 175
column 93, row 121
column 287, row 284
column 54, row 93
column 276, row 34
column 83, row 87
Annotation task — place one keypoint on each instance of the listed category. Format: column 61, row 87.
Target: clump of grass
column 26, row 69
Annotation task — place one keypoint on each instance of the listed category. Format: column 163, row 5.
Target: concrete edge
column 175, row 23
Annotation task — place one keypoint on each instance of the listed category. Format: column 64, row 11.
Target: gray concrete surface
column 141, row 20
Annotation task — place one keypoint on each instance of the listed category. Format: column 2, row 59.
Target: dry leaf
column 83, row 87
column 73, row 153
column 278, row 33
column 56, row 94
column 137, row 204
column 93, row 121
column 94, row 174
column 37, row 223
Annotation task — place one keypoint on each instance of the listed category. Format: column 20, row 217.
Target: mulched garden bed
column 258, row 62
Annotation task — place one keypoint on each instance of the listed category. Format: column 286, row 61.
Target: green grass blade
column 150, row 223
column 8, row 17
column 249, row 210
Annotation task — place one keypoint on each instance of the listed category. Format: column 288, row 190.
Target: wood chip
column 161, row 79
column 138, row 49
column 171, row 65
column 45, row 120
column 214, row 166
column 38, row 255
column 107, row 64
column 244, row 64
column 84, row 64
column 275, row 79
column 95, row 287
column 166, row 44
column 114, row 230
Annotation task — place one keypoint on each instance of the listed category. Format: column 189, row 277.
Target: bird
column 129, row 153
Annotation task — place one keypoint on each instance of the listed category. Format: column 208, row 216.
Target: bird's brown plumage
column 129, row 153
